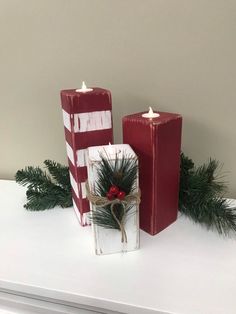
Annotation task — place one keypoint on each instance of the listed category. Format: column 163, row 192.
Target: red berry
column 114, row 190
column 121, row 195
column 110, row 196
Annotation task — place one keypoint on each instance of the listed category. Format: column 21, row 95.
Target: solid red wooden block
column 157, row 143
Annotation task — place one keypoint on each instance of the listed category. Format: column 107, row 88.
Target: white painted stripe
column 85, row 219
column 83, row 189
column 78, row 187
column 88, row 121
column 92, row 121
column 80, row 154
column 77, row 212
column 66, row 119
column 70, row 153
column 74, row 185
column 81, row 157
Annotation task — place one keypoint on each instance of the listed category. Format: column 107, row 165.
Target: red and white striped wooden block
column 87, row 122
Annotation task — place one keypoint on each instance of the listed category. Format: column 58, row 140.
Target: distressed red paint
column 157, row 143
column 74, row 103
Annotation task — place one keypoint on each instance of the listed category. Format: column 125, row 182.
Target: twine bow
column 101, row 201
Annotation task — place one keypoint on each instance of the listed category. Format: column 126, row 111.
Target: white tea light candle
column 84, row 88
column 150, row 114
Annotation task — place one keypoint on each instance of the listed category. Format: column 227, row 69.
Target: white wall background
column 177, row 56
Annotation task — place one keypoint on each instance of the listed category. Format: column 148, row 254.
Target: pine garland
column 201, row 196
column 46, row 189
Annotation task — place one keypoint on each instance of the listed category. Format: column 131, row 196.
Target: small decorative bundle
column 112, row 190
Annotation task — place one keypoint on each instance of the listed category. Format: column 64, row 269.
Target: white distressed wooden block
column 109, row 240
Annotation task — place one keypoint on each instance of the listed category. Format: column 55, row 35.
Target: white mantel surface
column 47, row 255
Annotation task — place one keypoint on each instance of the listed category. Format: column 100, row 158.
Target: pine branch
column 40, row 200
column 59, row 173
column 45, row 191
column 34, row 177
column 201, row 196
column 103, row 218
column 122, row 173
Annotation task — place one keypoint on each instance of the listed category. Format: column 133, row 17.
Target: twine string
column 101, row 201
column 120, row 224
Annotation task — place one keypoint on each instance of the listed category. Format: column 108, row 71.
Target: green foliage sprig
column 46, row 189
column 201, row 196
column 121, row 173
